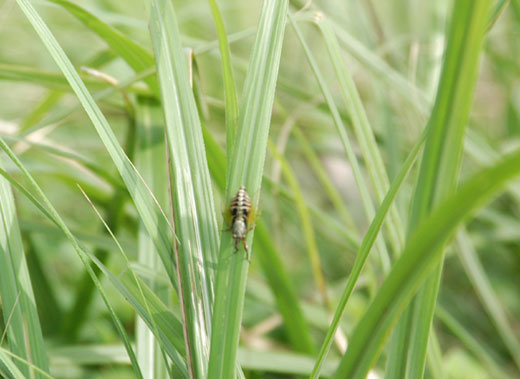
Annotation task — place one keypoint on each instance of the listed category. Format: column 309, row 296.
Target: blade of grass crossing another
column 368, row 206
column 420, row 257
column 364, row 250
column 18, row 304
column 246, row 168
column 192, row 198
column 150, row 213
column 442, row 155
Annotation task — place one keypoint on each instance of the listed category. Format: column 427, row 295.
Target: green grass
column 379, row 143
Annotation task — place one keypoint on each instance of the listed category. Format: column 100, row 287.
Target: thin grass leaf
column 307, row 229
column 151, row 215
column 134, row 54
column 230, row 91
column 368, row 206
column 5, row 357
column 365, row 136
column 442, row 156
column 247, row 162
column 420, row 257
column 18, row 304
column 487, row 295
column 325, row 180
column 364, row 250
column 473, row 345
column 45, row 205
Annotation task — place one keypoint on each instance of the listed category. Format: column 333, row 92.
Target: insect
column 240, row 210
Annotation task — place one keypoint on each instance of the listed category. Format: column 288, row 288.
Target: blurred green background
column 36, row 105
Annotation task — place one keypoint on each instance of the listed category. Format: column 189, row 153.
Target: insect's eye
column 233, row 211
column 246, row 212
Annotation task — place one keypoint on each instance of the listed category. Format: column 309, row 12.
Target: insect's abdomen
column 240, row 206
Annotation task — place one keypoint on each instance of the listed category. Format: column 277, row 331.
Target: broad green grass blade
column 134, row 54
column 368, row 206
column 151, row 163
column 246, row 168
column 298, row 331
column 307, row 229
column 18, row 304
column 152, row 217
column 49, row 211
column 420, row 257
column 442, row 157
column 230, row 91
column 487, row 295
column 365, row 136
column 364, row 250
column 192, row 198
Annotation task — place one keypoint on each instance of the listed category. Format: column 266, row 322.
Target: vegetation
column 378, row 141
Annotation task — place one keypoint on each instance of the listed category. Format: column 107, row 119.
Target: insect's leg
column 236, row 245
column 246, row 249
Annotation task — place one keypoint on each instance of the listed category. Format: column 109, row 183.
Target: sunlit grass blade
column 24, row 333
column 152, row 217
column 364, row 250
column 442, row 158
column 368, row 206
column 151, row 162
column 421, row 256
column 298, row 330
column 192, row 198
column 246, row 168
column 487, row 295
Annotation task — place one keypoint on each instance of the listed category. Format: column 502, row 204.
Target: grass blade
column 192, row 199
column 364, row 250
column 134, row 54
column 341, row 130
column 484, row 290
column 230, row 91
column 151, row 215
column 442, row 156
column 18, row 303
column 246, row 168
column 421, row 255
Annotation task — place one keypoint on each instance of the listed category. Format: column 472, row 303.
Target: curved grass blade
column 246, row 168
column 134, row 54
column 365, row 136
column 364, row 250
column 441, row 160
column 421, row 255
column 341, row 130
column 151, row 215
